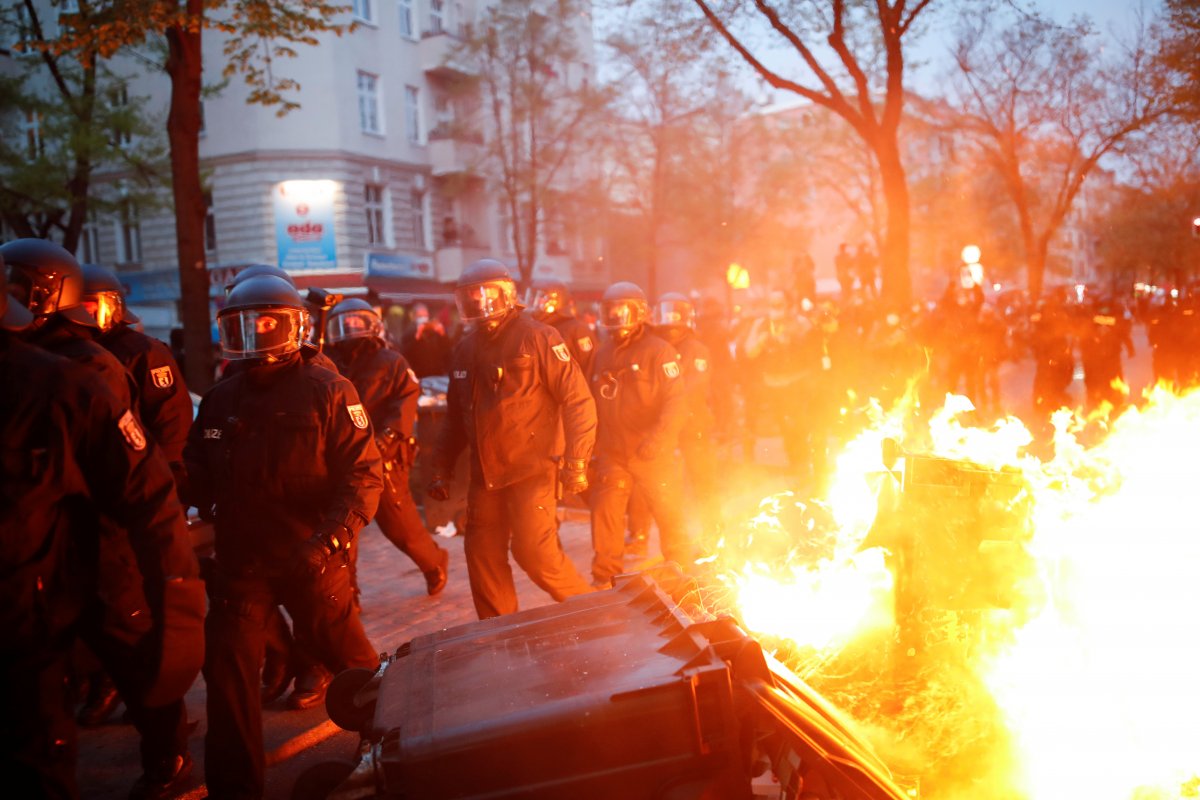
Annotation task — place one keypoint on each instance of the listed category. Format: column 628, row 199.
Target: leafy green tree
column 257, row 35
column 65, row 119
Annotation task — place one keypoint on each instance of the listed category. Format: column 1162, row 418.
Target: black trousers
column 38, row 739
column 323, row 614
column 523, row 517
column 401, row 523
column 658, row 483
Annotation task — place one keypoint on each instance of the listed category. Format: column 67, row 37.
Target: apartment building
column 378, row 179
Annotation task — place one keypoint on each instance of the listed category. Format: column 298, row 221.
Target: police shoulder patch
column 132, row 431
column 585, row 344
column 358, row 416
column 560, row 350
column 701, row 365
column 162, row 377
column 671, row 369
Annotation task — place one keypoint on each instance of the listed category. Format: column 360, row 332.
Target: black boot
column 102, row 701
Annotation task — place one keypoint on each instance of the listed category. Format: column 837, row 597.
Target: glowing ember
column 1084, row 684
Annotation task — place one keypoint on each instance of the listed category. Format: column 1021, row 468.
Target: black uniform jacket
column 77, row 343
column 71, row 450
column 580, row 339
column 694, row 366
column 162, row 397
column 385, row 383
column 639, row 396
column 506, row 392
column 280, row 457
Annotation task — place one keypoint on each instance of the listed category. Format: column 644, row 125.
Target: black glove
column 312, row 555
column 574, row 476
column 438, row 489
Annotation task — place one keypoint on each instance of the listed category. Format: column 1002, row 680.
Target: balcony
column 438, row 59
column 451, row 154
column 449, row 261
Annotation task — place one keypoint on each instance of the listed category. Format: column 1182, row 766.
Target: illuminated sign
column 304, row 229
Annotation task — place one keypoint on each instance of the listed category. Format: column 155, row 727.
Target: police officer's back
column 282, row 454
column 73, row 450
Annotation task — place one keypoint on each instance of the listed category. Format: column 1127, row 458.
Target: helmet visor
column 618, row 314
column 260, row 332
column 544, row 301
column 354, row 325
column 25, row 290
column 485, row 300
column 107, row 308
column 673, row 312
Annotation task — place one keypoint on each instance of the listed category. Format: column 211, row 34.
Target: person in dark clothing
column 74, row 451
column 426, row 345
column 1052, row 342
column 283, row 457
column 1106, row 335
column 163, row 402
column 389, row 390
column 642, row 406
column 511, row 380
column 550, row 302
column 52, row 281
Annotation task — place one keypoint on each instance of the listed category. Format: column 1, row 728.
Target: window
column 437, row 16
column 377, row 204
column 24, row 27
column 89, row 242
column 420, row 217
column 404, row 10
column 412, row 114
column 129, row 234
column 368, row 103
column 210, row 224
column 33, row 134
column 118, row 100
column 361, row 9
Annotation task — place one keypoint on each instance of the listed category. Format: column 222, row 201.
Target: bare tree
column 1045, row 103
column 854, row 57
column 537, row 98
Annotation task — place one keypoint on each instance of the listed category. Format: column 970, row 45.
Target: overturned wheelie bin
column 616, row 694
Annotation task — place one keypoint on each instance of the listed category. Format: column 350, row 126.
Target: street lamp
column 972, row 271
column 737, row 276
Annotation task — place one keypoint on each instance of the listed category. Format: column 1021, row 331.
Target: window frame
column 378, row 214
column 369, row 99
column 412, row 114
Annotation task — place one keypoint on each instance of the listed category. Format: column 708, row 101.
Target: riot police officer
column 282, row 455
column 163, row 402
column 511, row 378
column 549, row 301
column 642, row 406
column 389, row 390
column 72, row 451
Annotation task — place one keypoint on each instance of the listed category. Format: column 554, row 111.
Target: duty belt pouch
column 181, row 642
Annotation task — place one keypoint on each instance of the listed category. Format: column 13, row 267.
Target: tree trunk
column 897, row 283
column 183, row 132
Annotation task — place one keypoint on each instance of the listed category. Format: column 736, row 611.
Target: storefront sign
column 304, row 230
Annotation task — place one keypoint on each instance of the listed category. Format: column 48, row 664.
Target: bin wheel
column 321, row 779
column 339, row 700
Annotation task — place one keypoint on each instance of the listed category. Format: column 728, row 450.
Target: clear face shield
column 621, row 317
column 108, row 308
column 33, row 295
column 484, row 301
column 354, row 325
column 544, row 302
column 674, row 313
column 261, row 332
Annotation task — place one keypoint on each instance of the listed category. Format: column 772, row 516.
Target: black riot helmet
column 673, row 310
column 104, row 298
column 485, row 293
column 549, row 299
column 263, row 318
column 351, row 319
column 13, row 315
column 623, row 310
column 255, row 270
column 46, row 279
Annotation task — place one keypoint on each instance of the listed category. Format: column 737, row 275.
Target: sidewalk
column 395, row 610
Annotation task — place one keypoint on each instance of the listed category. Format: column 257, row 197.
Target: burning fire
column 1084, row 684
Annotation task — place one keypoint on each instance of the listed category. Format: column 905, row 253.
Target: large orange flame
column 1091, row 678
